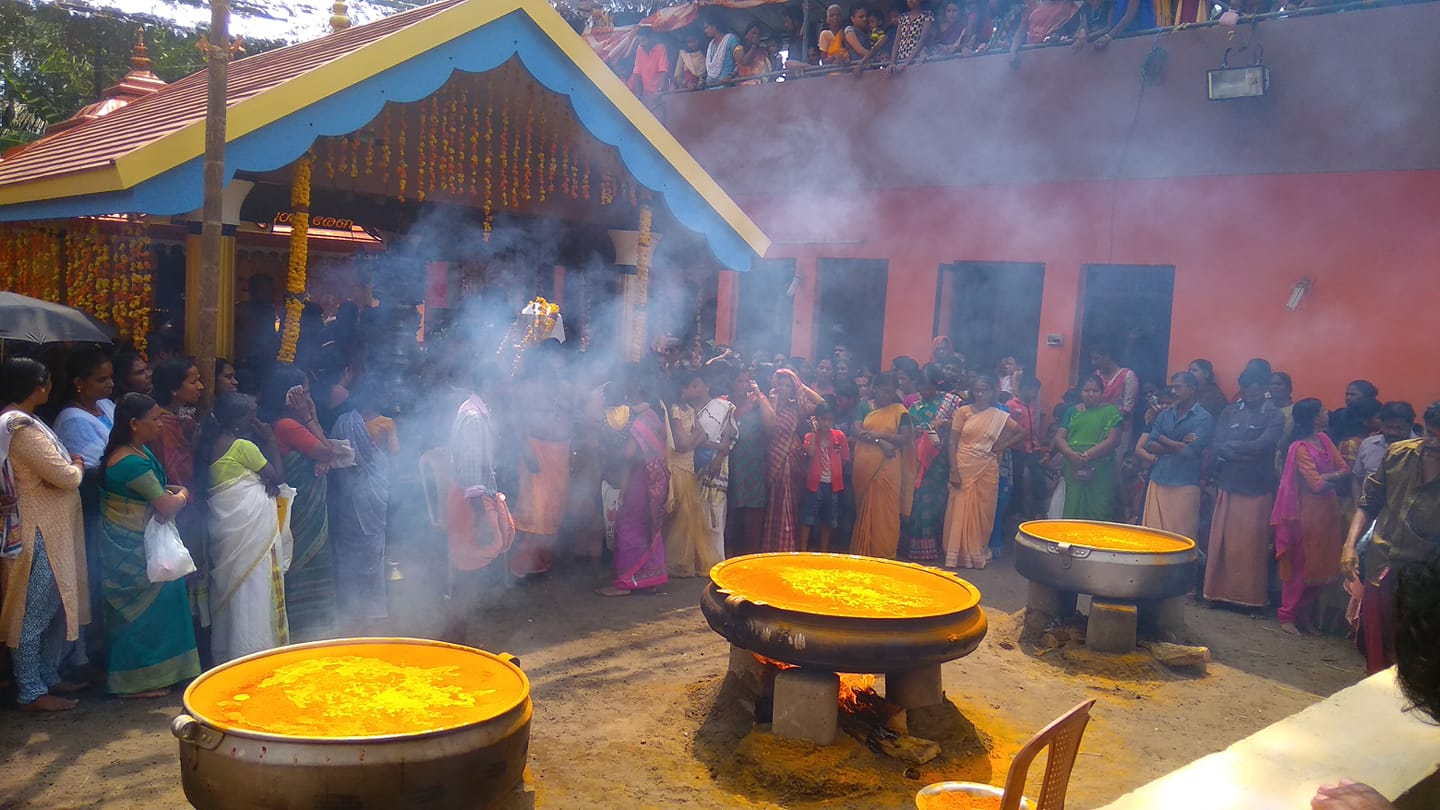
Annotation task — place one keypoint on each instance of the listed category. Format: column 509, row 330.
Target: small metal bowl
column 967, row 788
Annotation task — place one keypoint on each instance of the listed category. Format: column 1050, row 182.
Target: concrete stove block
column 1112, row 626
column 1043, row 605
column 807, row 705
column 916, row 688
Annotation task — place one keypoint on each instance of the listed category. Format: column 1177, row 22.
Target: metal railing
column 812, row 71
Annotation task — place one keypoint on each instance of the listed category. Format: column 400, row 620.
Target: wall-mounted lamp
column 794, row 285
column 1251, row 81
column 1302, row 287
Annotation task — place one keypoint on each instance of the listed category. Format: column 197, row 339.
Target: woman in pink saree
column 1308, row 534
column 642, row 474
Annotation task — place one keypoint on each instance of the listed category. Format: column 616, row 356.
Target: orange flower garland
column 388, row 127
column 544, row 115
column 426, row 135
column 474, row 145
column 529, row 143
column 489, row 133
column 515, row 163
column 541, row 321
column 404, row 170
column 105, row 275
column 299, row 247
column 504, row 150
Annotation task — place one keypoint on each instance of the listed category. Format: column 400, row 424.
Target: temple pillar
column 235, row 193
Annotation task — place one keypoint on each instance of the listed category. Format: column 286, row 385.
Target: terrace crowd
column 286, row 500
column 859, row 35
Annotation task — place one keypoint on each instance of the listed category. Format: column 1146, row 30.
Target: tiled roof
column 147, row 156
column 101, row 142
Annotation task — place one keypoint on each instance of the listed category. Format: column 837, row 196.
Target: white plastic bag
column 344, row 454
column 284, row 500
column 166, row 558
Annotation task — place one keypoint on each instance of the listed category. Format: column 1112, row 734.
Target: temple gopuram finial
column 140, row 59
column 339, row 18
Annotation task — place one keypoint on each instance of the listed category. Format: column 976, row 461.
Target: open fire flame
column 857, row 692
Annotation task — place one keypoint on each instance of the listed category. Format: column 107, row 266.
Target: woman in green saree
column 1087, row 440
column 147, row 625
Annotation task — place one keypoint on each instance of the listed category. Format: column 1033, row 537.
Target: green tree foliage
column 53, row 61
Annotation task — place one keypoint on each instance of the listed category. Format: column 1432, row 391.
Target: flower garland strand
column 542, row 315
column 642, row 285
column 489, row 135
column 299, row 247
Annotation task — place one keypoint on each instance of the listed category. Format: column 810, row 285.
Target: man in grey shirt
column 1247, row 433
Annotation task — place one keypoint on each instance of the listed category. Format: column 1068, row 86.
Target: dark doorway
column 763, row 321
column 850, row 308
column 1128, row 308
column 990, row 310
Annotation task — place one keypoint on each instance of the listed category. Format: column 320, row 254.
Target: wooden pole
column 212, row 225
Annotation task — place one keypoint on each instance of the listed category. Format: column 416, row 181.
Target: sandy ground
column 629, row 711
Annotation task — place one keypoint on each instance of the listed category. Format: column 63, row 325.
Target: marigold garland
column 299, row 248
column 107, row 275
column 529, row 143
column 404, row 168
column 505, row 150
column 642, row 285
column 425, row 136
column 489, row 135
column 388, row 127
column 538, row 326
column 514, row 166
column 474, row 146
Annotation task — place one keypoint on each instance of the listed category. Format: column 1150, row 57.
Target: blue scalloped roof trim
column 278, row 144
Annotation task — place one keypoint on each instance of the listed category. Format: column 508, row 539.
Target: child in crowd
column 1054, row 466
column 826, row 451
column 1134, row 476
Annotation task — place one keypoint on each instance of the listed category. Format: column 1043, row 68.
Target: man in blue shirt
column 1177, row 439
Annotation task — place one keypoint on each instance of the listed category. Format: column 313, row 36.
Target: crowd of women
column 281, row 510
column 651, row 471
column 1294, row 506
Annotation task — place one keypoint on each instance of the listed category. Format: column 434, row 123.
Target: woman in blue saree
column 149, row 634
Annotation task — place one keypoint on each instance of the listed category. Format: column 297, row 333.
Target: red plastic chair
column 1062, row 737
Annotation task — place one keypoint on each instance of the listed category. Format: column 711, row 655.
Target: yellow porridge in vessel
column 358, row 690
column 844, row 585
column 1107, row 536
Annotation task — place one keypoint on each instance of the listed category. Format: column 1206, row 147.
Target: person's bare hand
column 1190, row 438
column 77, row 460
column 1349, row 795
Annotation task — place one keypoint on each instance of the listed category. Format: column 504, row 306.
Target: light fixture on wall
column 1302, row 288
column 1251, row 81
column 794, row 285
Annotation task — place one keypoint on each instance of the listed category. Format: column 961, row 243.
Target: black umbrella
column 34, row 321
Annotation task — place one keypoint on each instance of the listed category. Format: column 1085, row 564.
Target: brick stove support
column 916, row 688
column 807, row 705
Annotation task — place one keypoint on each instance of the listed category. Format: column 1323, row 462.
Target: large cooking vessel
column 470, row 758
column 843, row 613
column 1109, row 560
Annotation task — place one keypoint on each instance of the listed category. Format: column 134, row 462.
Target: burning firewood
column 880, row 724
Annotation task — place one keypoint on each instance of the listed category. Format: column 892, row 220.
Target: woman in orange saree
column 884, row 472
column 979, row 433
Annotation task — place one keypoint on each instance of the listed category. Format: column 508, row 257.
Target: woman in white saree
column 246, row 499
